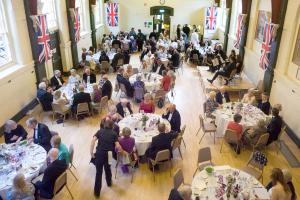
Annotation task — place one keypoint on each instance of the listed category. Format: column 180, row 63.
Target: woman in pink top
column 166, row 81
column 147, row 105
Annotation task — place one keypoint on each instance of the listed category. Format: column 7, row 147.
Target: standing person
column 186, row 30
column 106, row 87
column 107, row 142
column 178, row 31
column 274, row 128
column 140, row 40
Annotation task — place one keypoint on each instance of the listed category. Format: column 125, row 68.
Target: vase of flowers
column 144, row 120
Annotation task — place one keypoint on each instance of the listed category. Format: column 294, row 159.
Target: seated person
column 249, row 97
column 61, row 100
column 103, row 57
column 165, row 81
column 56, row 80
column 41, row 134
column 147, row 106
column 47, row 81
column 139, row 83
column 116, row 43
column 195, row 51
column 288, row 180
column 158, row 67
column 56, row 167
column 14, row 132
column 225, row 72
column 106, row 87
column 274, row 128
column 184, row 192
column 118, row 56
column 128, row 146
column 280, row 189
column 208, row 62
column 222, row 96
column 96, row 95
column 237, row 128
column 144, row 53
column 63, row 152
column 219, row 51
column 211, row 105
column 45, row 97
column 122, row 80
column 264, row 105
column 232, row 54
column 173, row 116
column 129, row 70
column 252, row 135
column 239, row 64
column 73, row 78
column 80, row 97
column 21, row 189
column 88, row 77
column 145, row 68
column 124, row 107
column 113, row 113
column 160, row 142
column 175, row 59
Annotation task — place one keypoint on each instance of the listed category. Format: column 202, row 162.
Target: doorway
column 162, row 19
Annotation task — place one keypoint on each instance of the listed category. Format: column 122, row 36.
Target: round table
column 142, row 134
column 151, row 80
column 251, row 115
column 24, row 158
column 214, row 186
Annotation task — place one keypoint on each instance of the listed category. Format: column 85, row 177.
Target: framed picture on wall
column 263, row 17
column 296, row 56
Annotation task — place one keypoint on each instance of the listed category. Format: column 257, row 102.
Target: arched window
column 5, row 45
column 80, row 4
column 48, row 8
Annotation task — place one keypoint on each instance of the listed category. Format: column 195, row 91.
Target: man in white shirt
column 195, row 38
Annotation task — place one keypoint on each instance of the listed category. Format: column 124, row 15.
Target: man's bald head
column 53, row 154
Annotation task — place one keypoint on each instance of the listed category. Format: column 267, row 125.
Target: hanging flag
column 43, row 38
column 239, row 30
column 211, row 18
column 266, row 45
column 77, row 24
column 112, row 10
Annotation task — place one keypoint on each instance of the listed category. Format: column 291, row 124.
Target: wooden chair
column 206, row 128
column 254, row 168
column 182, row 133
column 40, row 110
column 232, row 138
column 278, row 141
column 178, row 179
column 131, row 164
column 161, row 158
column 204, row 159
column 57, row 109
column 159, row 94
column 176, row 143
column 261, row 143
column 100, row 106
column 82, row 108
column 71, row 152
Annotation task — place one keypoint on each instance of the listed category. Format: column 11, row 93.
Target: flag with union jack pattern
column 43, row 38
column 211, row 18
column 266, row 45
column 112, row 11
column 239, row 30
column 77, row 25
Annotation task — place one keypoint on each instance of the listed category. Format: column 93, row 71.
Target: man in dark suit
column 45, row 97
column 158, row 67
column 222, row 96
column 226, row 71
column 115, row 59
column 175, row 59
column 116, row 43
column 160, row 142
column 122, row 80
column 106, row 87
column 274, row 128
column 124, row 107
column 173, row 116
column 56, row 81
column 41, row 135
column 80, row 97
column 153, row 35
column 88, row 76
column 45, row 187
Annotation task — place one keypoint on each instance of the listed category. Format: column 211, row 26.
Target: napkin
column 262, row 193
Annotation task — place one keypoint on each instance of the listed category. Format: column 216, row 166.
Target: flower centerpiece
column 230, row 183
column 144, row 120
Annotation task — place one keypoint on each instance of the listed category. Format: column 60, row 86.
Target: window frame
column 82, row 14
column 54, row 12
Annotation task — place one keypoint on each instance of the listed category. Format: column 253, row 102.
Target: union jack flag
column 77, row 25
column 211, row 18
column 239, row 31
column 112, row 10
column 266, row 45
column 43, row 38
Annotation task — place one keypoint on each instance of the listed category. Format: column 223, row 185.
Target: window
column 98, row 12
column 223, row 13
column 5, row 51
column 48, row 8
column 237, row 11
column 80, row 5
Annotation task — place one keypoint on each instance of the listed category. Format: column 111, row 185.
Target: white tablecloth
column 68, row 90
column 151, row 84
column 251, row 115
column 14, row 158
column 96, row 56
column 210, row 186
column 143, row 136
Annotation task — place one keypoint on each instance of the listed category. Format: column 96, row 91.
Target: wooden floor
column 189, row 98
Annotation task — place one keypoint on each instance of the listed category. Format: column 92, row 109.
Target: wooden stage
column 237, row 85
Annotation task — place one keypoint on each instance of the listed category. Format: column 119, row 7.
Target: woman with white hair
column 14, row 132
column 45, row 96
column 252, row 135
column 211, row 105
column 61, row 99
column 21, row 189
column 249, row 97
column 74, row 77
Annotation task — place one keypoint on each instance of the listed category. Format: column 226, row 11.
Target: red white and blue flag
column 239, row 31
column 43, row 38
column 211, row 18
column 112, row 10
column 266, row 45
column 77, row 25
